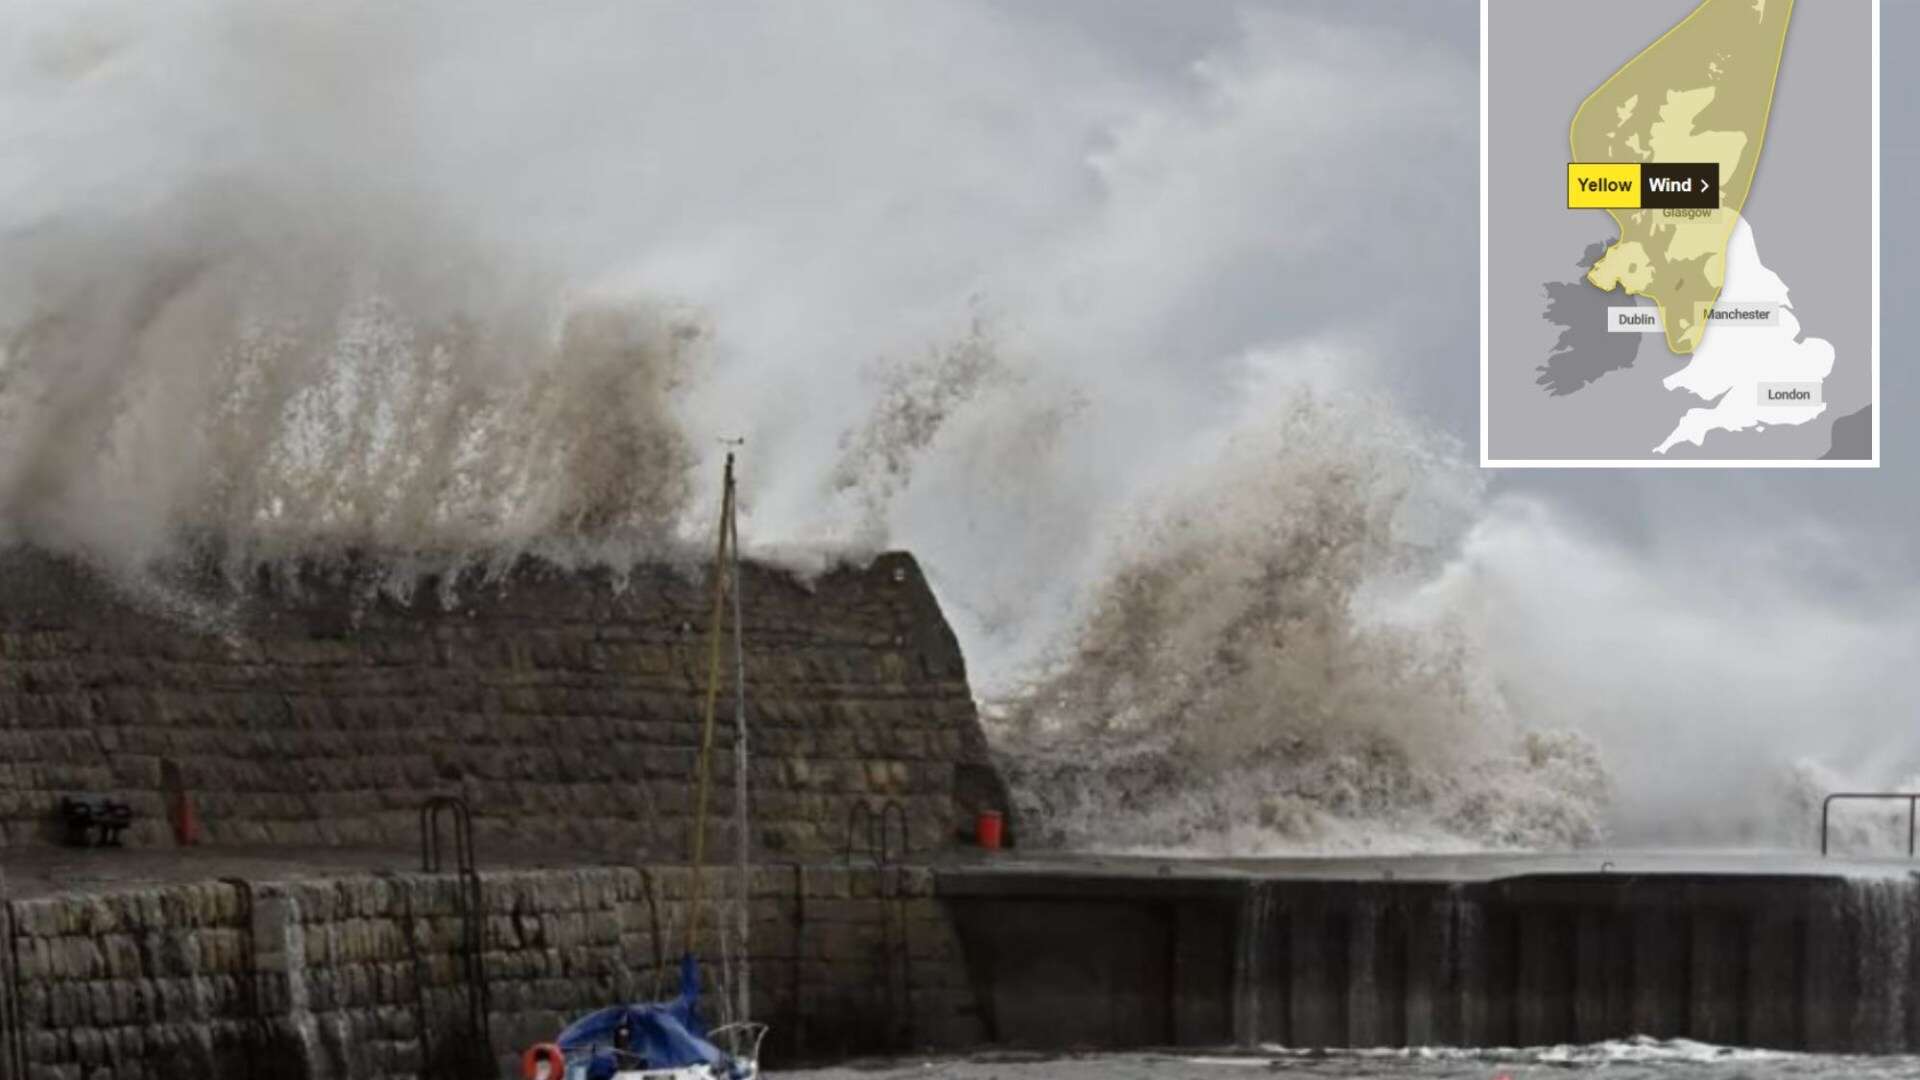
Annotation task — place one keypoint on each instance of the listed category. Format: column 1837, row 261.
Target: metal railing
column 1913, row 811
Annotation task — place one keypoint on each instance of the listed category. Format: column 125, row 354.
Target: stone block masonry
column 308, row 707
column 360, row 977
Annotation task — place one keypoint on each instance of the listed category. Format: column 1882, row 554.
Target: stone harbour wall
column 366, row 976
column 118, row 985
column 311, row 706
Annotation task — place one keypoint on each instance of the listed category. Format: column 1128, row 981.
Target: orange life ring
column 547, row 1054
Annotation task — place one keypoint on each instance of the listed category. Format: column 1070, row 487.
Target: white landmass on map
column 1732, row 361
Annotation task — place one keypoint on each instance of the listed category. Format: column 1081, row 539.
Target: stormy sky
column 1710, row 627
column 1167, row 216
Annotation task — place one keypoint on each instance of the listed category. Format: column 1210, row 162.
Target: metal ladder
column 15, row 1037
column 896, row 949
column 473, row 925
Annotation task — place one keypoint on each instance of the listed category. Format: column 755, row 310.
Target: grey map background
column 1810, row 213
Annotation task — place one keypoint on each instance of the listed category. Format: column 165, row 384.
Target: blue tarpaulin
column 665, row 1035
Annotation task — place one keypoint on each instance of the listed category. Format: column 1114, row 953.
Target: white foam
column 1639, row 1049
column 1243, row 681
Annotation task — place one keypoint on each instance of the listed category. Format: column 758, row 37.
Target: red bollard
column 186, row 825
column 987, row 829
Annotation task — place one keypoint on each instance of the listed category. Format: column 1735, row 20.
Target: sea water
column 1622, row 1059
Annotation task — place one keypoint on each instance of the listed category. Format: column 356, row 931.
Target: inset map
column 1681, row 215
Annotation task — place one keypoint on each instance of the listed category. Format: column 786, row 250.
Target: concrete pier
column 1749, row 949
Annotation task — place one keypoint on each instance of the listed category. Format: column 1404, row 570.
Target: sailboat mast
column 699, row 839
column 742, row 836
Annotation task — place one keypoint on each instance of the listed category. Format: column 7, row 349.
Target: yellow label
column 1603, row 187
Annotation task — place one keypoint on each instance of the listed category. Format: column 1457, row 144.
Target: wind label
column 1644, row 185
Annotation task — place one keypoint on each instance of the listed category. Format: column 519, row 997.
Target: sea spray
column 187, row 385
column 1253, row 963
column 324, row 278
column 1228, row 689
column 1881, row 913
column 250, row 310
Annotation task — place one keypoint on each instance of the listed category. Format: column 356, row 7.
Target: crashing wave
column 202, row 380
column 1239, row 685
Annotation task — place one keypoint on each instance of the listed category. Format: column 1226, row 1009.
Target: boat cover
column 668, row 1035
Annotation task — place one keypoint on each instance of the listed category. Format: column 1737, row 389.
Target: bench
column 94, row 820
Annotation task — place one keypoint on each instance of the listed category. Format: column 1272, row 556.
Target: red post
column 988, row 828
column 186, row 824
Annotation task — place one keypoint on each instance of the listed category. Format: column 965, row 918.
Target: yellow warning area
column 1599, row 187
column 1701, row 93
